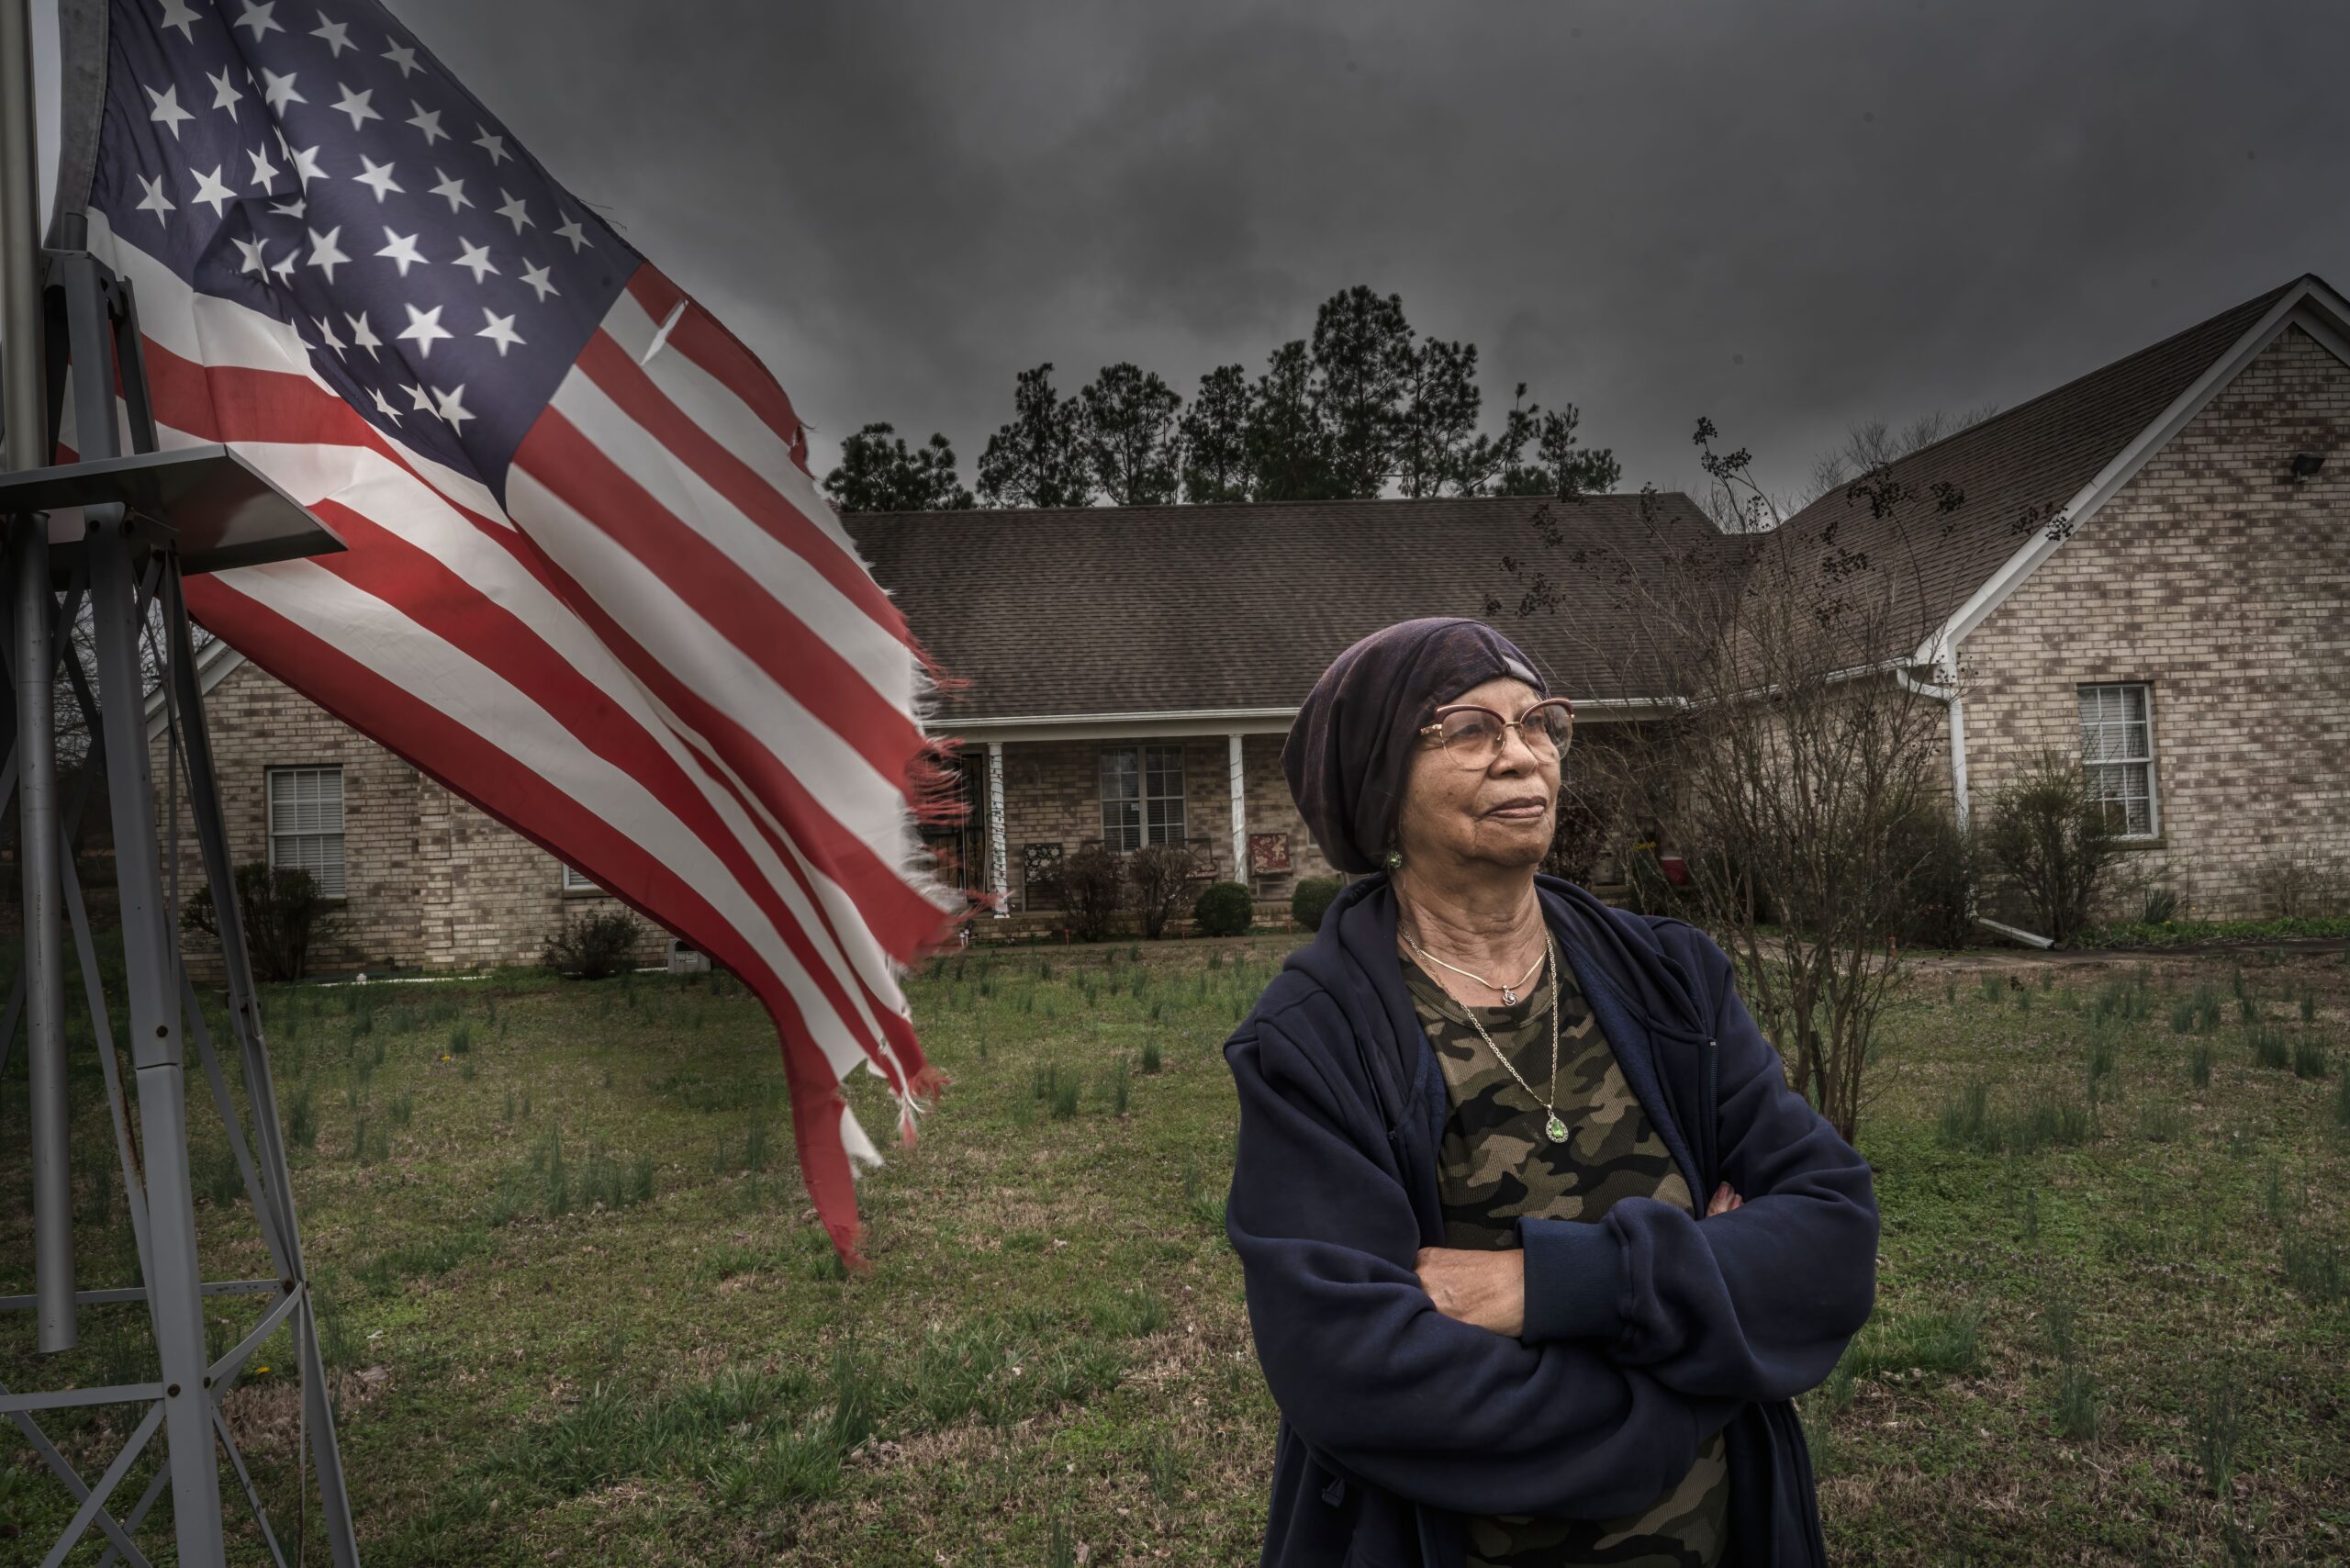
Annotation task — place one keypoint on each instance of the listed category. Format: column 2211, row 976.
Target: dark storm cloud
column 1786, row 216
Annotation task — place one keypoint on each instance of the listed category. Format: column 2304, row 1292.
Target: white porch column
column 999, row 877
column 1240, row 812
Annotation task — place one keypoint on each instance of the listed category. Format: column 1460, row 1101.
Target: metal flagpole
column 27, row 415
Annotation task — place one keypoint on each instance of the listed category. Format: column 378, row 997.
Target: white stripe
column 212, row 330
column 731, row 423
column 843, row 784
column 782, row 574
column 376, row 488
column 454, row 683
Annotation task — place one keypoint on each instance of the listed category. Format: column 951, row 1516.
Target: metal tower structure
column 104, row 542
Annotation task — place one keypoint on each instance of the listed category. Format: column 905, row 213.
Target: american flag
column 590, row 585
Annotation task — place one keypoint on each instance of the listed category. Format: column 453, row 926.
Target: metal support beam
column 25, row 367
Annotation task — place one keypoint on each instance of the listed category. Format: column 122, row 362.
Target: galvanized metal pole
column 26, row 413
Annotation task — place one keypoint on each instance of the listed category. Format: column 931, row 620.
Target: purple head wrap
column 1350, row 746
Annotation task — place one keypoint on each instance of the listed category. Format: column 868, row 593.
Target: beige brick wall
column 2227, row 591
column 430, row 881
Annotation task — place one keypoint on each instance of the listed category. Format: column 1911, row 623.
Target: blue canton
column 317, row 164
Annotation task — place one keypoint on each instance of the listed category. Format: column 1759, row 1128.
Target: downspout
column 1946, row 693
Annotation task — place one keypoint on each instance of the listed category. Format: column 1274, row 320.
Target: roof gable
column 2029, row 475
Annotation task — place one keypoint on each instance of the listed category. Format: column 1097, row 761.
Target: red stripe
column 698, row 336
column 514, row 796
column 418, row 584
column 584, row 476
column 230, row 404
column 621, row 379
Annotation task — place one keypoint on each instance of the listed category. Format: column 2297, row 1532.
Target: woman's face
column 1504, row 813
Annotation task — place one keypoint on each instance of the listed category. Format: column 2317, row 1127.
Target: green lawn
column 581, row 1312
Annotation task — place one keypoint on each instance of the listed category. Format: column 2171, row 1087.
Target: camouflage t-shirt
column 1496, row 1163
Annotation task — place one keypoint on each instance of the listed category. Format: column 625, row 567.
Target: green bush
column 2050, row 833
column 1158, row 872
column 1224, row 909
column 592, row 947
column 1092, row 883
column 1940, row 864
column 284, row 916
column 1311, row 899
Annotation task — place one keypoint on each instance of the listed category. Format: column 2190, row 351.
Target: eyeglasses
column 1471, row 736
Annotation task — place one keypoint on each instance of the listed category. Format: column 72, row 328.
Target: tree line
column 1365, row 407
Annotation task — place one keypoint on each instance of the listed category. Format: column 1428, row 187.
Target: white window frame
column 2096, row 768
column 1136, row 762
column 332, row 886
column 575, row 880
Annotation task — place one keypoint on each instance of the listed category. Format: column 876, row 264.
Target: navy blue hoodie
column 1645, row 1332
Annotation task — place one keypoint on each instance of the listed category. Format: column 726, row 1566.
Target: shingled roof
column 2014, row 473
column 1169, row 609
column 1102, row 612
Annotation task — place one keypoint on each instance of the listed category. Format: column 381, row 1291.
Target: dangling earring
column 1394, row 860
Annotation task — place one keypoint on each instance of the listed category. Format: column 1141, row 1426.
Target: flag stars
column 324, row 256
column 450, row 190
column 305, row 167
column 451, row 406
column 401, row 249
column 536, row 276
column 156, row 201
column 424, row 329
column 259, row 19
column 326, row 334
column 294, row 208
column 284, row 267
column 177, row 14
column 167, row 108
column 500, row 330
column 224, row 92
column 337, row 34
column 421, row 401
column 492, row 144
column 377, row 177
column 571, row 231
column 516, row 212
column 279, row 91
column 250, row 251
column 404, row 57
column 355, row 104
column 208, row 188
column 383, row 406
column 427, row 121
column 477, row 257
column 362, row 336
column 264, row 172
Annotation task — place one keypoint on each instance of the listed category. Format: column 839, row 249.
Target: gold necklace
column 1554, row 1128
column 1509, row 993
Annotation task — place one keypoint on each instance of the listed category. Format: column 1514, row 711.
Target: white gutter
column 1946, row 693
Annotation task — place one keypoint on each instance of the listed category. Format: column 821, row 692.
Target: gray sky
column 1788, row 216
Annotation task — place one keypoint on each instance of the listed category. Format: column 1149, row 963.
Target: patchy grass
column 578, row 1310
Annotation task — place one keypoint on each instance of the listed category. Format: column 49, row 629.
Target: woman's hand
column 1488, row 1288
column 1485, row 1288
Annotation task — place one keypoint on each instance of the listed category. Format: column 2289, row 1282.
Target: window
column 1142, row 797
column 306, row 823
column 578, row 881
column 2118, row 754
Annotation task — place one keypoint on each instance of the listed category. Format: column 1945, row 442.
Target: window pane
column 1120, row 777
column 306, row 823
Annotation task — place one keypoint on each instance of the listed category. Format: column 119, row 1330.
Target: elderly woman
column 1474, row 1115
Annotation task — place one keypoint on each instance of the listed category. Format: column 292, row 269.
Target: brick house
column 2153, row 563
column 2154, row 576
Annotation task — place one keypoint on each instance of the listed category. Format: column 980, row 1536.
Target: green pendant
column 1556, row 1128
